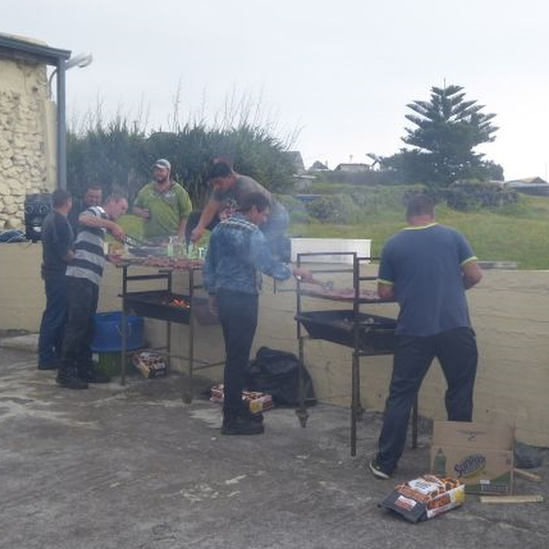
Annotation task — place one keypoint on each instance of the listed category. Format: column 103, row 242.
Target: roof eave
column 38, row 52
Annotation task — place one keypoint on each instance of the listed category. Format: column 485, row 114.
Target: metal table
column 150, row 304
column 361, row 337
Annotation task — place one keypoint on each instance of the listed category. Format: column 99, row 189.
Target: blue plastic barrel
column 108, row 332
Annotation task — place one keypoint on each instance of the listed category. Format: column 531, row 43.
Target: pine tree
column 448, row 128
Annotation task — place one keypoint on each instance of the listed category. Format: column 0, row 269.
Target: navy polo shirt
column 424, row 266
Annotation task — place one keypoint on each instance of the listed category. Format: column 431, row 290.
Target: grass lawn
column 520, row 233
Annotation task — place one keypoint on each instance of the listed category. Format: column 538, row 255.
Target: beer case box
column 481, row 455
column 257, row 402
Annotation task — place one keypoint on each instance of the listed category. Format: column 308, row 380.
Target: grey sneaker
column 378, row 470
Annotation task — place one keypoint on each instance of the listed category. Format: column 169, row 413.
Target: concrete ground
column 135, row 468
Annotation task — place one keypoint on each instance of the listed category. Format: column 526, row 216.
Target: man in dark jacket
column 237, row 254
column 57, row 242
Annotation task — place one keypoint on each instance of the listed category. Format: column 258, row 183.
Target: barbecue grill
column 376, row 333
column 366, row 334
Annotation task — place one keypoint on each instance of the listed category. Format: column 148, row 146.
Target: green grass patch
column 519, row 232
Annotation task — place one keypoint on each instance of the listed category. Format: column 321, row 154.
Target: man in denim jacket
column 237, row 254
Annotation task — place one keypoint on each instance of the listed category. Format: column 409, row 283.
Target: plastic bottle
column 439, row 463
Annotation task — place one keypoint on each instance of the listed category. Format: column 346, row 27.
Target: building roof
column 25, row 49
column 353, row 166
column 527, row 181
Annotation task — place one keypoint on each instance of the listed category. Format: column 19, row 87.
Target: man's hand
column 303, row 275
column 118, row 232
column 142, row 212
column 197, row 233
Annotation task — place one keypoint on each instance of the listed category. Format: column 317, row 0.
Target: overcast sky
column 341, row 71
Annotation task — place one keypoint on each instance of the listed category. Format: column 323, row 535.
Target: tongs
column 133, row 241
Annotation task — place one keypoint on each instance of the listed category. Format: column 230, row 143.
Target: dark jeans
column 82, row 305
column 457, row 352
column 238, row 316
column 53, row 320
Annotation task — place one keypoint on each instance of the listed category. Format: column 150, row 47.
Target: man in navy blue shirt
column 57, row 243
column 237, row 253
column 426, row 267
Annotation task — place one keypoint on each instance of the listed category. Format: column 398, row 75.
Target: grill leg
column 355, row 401
column 414, row 421
column 301, row 411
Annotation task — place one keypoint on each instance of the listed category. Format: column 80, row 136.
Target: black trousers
column 82, row 296
column 238, row 316
column 457, row 353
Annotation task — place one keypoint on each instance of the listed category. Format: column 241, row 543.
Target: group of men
column 73, row 256
column 426, row 268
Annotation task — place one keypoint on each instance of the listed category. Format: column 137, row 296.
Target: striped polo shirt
column 89, row 258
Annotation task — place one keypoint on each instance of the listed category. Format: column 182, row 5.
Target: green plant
column 333, row 209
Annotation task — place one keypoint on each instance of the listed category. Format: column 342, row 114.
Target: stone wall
column 27, row 138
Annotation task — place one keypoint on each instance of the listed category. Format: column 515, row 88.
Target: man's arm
column 385, row 290
column 64, row 240
column 472, row 273
column 141, row 212
column 181, row 230
column 138, row 208
column 93, row 221
column 212, row 208
column 185, row 209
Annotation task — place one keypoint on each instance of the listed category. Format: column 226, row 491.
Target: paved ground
column 135, row 468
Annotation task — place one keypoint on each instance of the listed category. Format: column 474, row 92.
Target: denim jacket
column 237, row 254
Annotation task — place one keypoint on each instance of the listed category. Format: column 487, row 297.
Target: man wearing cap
column 163, row 204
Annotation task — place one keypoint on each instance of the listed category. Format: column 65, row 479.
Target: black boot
column 67, row 376
column 241, row 426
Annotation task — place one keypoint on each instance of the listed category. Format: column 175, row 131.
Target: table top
column 344, row 294
column 165, row 263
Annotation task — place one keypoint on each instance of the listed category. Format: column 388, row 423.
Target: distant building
column 529, row 185
column 352, row 168
column 319, row 167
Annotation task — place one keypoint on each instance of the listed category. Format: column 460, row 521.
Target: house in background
column 319, row 167
column 529, row 185
column 352, row 168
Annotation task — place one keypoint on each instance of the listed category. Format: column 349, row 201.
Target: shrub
column 337, row 208
column 472, row 195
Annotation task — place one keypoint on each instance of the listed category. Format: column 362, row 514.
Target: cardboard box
column 425, row 497
column 481, row 455
column 150, row 364
column 258, row 402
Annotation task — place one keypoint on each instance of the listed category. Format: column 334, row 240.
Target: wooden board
column 512, row 499
column 527, row 475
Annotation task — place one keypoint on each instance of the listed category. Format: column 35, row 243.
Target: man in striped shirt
column 83, row 279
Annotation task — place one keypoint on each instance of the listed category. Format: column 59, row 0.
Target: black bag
column 277, row 374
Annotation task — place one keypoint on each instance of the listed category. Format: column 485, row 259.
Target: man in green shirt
column 163, row 204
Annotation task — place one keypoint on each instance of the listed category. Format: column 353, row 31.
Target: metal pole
column 61, row 127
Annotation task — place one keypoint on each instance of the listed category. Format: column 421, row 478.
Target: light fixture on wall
column 80, row 60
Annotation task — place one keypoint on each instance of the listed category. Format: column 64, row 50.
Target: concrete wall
column 509, row 311
column 27, row 138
